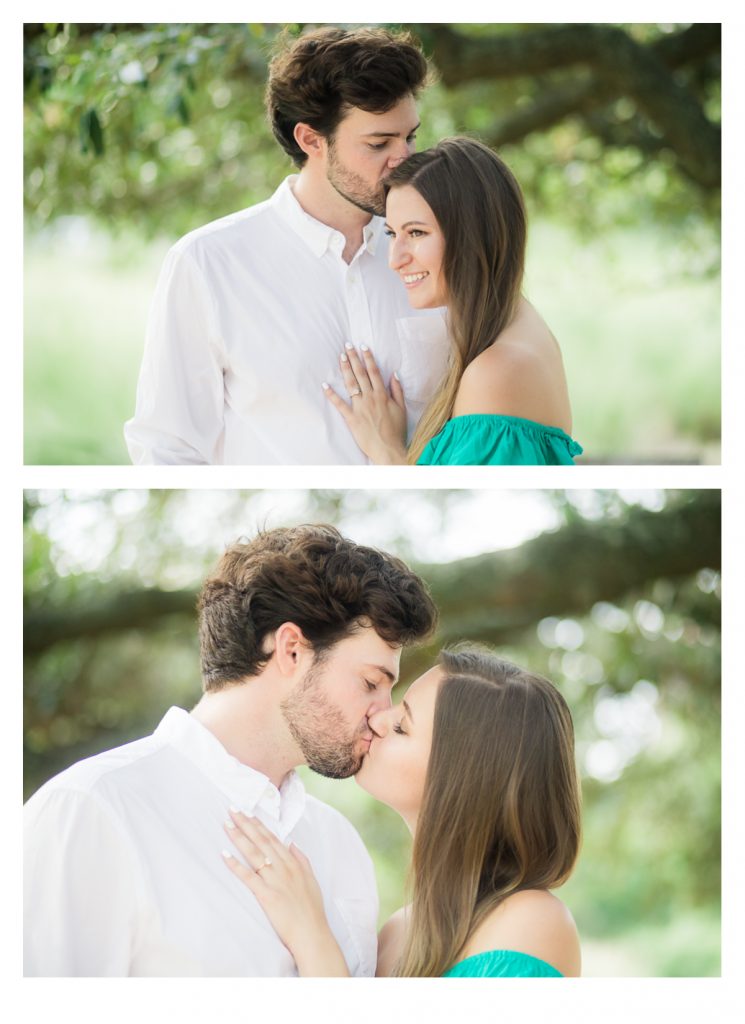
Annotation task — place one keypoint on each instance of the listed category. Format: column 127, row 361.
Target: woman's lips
column 412, row 280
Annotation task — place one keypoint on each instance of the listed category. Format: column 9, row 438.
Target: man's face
column 364, row 150
column 328, row 710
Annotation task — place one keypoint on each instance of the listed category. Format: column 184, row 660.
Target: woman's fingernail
column 349, row 344
column 396, row 375
column 325, row 386
column 364, row 348
column 344, row 357
column 233, row 810
column 227, row 854
column 229, row 824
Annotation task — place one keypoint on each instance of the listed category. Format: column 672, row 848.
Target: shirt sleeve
column 80, row 889
column 179, row 412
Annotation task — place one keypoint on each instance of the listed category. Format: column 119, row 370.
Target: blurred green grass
column 640, row 336
column 86, row 304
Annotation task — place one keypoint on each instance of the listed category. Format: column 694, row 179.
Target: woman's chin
column 421, row 301
column 365, row 778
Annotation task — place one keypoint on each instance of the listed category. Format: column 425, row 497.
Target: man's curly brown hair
column 314, row 577
column 318, row 77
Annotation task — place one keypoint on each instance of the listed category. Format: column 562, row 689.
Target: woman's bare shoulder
column 391, row 941
column 521, row 374
column 534, row 922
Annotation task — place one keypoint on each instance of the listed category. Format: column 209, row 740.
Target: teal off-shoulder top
column 488, row 440
column 502, row 963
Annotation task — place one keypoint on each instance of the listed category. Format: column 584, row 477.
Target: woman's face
column 395, row 766
column 417, row 247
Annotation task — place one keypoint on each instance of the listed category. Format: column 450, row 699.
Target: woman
column 479, row 761
column 456, row 220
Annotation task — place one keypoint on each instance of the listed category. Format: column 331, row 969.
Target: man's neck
column 320, row 200
column 249, row 725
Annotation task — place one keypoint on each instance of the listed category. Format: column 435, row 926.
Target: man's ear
column 312, row 143
column 291, row 649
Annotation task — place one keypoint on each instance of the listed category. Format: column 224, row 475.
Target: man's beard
column 353, row 188
column 319, row 729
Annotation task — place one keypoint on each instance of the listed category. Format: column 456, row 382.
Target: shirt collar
column 318, row 236
column 246, row 788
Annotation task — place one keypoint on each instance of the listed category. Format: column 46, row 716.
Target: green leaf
column 179, row 106
column 91, row 131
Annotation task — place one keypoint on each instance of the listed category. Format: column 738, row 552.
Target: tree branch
column 620, row 67
column 493, row 596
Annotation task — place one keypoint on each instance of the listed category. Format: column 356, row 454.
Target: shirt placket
column 358, row 310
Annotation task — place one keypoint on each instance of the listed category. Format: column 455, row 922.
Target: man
column 253, row 311
column 301, row 633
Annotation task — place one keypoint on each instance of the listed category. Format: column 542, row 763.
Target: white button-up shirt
column 250, row 316
column 124, row 873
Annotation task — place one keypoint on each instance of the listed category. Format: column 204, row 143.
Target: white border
column 312, row 999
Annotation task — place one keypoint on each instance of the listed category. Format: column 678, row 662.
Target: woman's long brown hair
column 501, row 805
column 479, row 208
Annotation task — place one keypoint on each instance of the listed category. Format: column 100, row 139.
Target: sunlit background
column 614, row 595
column 137, row 134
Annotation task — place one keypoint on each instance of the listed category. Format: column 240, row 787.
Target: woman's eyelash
column 397, row 728
column 371, row 685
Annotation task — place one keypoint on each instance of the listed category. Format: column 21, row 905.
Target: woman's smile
column 412, row 280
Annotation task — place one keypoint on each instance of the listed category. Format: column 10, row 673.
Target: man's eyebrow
column 408, row 710
column 389, row 135
column 385, row 671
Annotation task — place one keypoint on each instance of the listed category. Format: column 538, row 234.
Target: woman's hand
column 376, row 418
column 283, row 882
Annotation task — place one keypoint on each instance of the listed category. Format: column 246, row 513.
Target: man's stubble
column 320, row 729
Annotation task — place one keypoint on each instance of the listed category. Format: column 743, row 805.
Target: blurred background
column 614, row 595
column 136, row 134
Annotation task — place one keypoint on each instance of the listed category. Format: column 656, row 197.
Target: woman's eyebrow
column 408, row 224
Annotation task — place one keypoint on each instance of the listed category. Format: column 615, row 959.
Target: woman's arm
column 391, row 942
column 283, row 882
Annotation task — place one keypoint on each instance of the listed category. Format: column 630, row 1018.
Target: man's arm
column 80, row 900
column 180, row 394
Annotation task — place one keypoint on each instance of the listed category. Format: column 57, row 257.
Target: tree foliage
column 163, row 124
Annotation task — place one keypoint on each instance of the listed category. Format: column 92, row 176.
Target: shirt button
column 353, row 279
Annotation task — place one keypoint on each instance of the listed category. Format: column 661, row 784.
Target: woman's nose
column 398, row 255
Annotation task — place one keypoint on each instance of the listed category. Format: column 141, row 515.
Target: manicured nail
column 348, row 345
column 325, row 386
column 344, row 357
column 364, row 348
column 227, row 855
column 396, row 375
column 234, row 810
column 229, row 824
